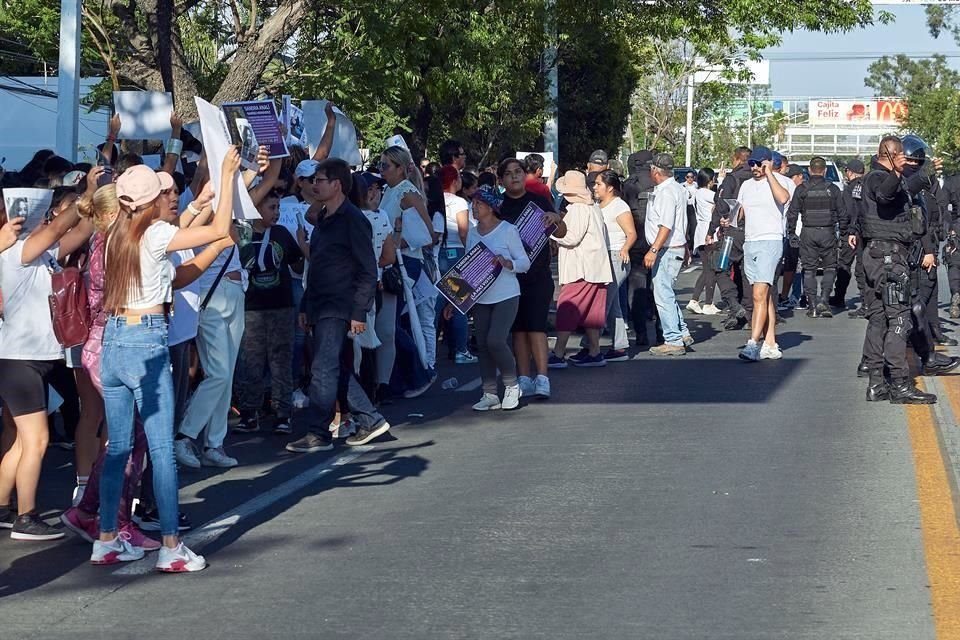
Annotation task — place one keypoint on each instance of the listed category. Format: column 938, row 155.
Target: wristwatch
column 654, row 250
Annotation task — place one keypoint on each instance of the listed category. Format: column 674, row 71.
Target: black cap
column 663, row 161
column 856, row 166
column 598, row 157
column 794, row 170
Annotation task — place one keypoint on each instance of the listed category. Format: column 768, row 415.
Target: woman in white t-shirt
column 457, row 224
column 707, row 282
column 405, row 204
column 621, row 236
column 496, row 309
column 29, row 353
column 135, row 364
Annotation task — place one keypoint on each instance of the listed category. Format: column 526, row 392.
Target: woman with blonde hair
column 135, row 363
column 405, row 204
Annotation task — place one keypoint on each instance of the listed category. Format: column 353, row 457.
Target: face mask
column 910, row 169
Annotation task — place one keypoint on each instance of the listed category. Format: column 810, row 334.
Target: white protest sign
column 144, row 115
column 548, row 164
column 345, row 144
column 216, row 141
column 32, row 204
column 293, row 214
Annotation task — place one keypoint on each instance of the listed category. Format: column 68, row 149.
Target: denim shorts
column 760, row 260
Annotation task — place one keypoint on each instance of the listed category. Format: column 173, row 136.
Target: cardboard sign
column 344, row 134
column 216, row 141
column 144, row 115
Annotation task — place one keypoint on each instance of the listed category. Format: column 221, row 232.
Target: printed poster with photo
column 293, row 214
column 255, row 123
column 470, row 277
column 293, row 121
column 31, row 204
column 534, row 231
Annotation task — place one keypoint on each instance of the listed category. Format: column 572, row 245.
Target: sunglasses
column 316, row 179
column 754, row 163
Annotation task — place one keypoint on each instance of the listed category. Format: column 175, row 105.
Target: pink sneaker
column 88, row 529
column 138, row 539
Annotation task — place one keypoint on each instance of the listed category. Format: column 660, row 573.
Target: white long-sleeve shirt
column 504, row 241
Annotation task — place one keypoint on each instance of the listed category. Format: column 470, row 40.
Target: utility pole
column 68, row 80
column 551, row 136
column 689, row 147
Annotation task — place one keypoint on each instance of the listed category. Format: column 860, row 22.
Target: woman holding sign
column 496, row 309
column 135, row 362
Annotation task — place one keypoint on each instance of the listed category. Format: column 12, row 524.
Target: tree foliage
column 933, row 108
column 471, row 69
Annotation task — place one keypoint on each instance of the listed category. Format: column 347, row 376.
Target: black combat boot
column 877, row 388
column 863, row 370
column 940, row 364
column 903, row 391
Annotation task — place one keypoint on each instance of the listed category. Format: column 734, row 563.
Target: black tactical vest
column 886, row 220
column 817, row 209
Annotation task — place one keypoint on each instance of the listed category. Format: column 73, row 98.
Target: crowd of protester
column 326, row 303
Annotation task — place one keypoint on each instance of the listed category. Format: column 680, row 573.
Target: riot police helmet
column 915, row 149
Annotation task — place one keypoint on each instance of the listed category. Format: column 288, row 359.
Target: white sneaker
column 117, row 550
column 179, row 560
column 751, row 352
column 710, row 310
column 488, row 402
column 186, row 456
column 218, row 458
column 694, row 306
column 542, row 387
column 768, row 352
column 511, row 398
column 526, row 386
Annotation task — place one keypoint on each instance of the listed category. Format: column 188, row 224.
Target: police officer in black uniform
column 637, row 189
column 850, row 221
column 739, row 304
column 817, row 203
column 892, row 222
column 949, row 200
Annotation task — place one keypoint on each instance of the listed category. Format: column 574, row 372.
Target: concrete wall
column 29, row 122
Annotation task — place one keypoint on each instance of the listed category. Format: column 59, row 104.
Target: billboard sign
column 857, row 112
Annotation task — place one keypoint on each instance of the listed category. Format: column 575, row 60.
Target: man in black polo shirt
column 341, row 284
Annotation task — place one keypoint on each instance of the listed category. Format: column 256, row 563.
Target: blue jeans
column 665, row 272
column 332, row 379
column 456, row 330
column 299, row 337
column 135, row 370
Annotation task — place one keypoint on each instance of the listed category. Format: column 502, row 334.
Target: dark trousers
column 707, row 281
column 818, row 248
column 642, row 307
column 847, row 272
column 742, row 286
column 332, row 379
column 953, row 272
column 888, row 322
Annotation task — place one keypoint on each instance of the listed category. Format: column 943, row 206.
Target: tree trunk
column 421, row 128
column 251, row 59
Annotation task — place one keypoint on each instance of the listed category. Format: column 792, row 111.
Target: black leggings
column 707, row 282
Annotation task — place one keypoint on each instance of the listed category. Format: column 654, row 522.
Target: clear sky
column 790, row 75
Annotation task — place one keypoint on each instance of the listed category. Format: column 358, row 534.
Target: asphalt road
column 698, row 497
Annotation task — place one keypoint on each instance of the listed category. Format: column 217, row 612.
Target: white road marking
column 207, row 533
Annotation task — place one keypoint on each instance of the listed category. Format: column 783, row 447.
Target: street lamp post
column 68, row 80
